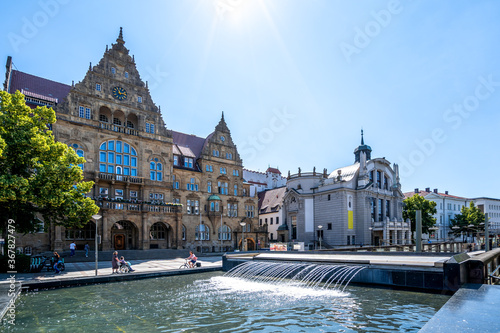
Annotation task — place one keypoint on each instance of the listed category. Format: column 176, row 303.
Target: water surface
column 209, row 302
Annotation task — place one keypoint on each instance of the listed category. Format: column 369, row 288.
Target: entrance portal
column 124, row 235
column 119, row 242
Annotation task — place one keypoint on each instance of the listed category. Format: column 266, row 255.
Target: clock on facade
column 222, row 138
column 119, row 93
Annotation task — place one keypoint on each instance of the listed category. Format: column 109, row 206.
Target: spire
column 120, row 37
column 222, row 119
column 362, row 148
column 222, row 126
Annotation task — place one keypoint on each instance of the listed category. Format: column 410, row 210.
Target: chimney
column 427, row 189
column 445, row 192
column 416, row 190
column 436, row 190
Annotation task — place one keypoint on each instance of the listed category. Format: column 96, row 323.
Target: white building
column 492, row 208
column 260, row 181
column 270, row 212
column 447, row 206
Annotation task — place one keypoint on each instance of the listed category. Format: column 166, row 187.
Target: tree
column 39, row 178
column 428, row 208
column 469, row 219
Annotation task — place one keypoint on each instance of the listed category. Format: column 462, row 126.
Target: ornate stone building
column 157, row 188
column 353, row 205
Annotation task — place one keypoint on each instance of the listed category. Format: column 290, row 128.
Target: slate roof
column 193, row 142
column 271, row 200
column 38, row 87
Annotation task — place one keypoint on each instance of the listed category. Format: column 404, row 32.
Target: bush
column 22, row 263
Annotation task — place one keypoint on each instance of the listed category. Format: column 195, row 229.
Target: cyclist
column 192, row 259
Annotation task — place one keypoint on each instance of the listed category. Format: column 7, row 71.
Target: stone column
column 105, row 231
column 58, row 243
column 144, row 233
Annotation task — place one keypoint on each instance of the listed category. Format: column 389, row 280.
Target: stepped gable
column 220, row 139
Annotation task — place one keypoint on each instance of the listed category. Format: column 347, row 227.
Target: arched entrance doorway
column 250, row 244
column 124, row 235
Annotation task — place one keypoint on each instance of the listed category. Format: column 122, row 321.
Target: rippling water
column 209, row 302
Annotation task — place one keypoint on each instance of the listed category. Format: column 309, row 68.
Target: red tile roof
column 38, row 87
column 273, row 170
column 425, row 193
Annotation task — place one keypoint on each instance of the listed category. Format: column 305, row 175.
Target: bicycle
column 186, row 264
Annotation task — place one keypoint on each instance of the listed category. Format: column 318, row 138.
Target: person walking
column 72, row 248
column 57, row 260
column 114, row 262
column 87, row 248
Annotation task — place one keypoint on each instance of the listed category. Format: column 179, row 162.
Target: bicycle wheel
column 184, row 266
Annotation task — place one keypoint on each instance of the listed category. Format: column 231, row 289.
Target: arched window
column 183, row 233
column 202, row 232
column 118, row 157
column 80, row 153
column 225, row 233
column 155, row 170
column 85, row 233
column 157, row 231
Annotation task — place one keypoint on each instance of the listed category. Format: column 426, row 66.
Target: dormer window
column 150, row 128
column 188, row 162
column 229, row 156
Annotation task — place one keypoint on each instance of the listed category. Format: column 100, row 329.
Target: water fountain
column 305, row 275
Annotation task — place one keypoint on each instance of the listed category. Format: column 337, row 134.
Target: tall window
column 277, row 220
column 379, row 179
column 86, row 232
column 183, row 233
column 388, row 208
column 236, row 173
column 139, row 99
column 176, row 160
column 214, row 206
column 155, row 170
column 175, row 183
column 379, row 209
column 222, row 186
column 157, row 231
column 224, row 233
column 222, row 171
column 191, row 186
column 97, row 87
column 150, row 128
column 209, row 168
column 229, row 156
column 84, row 112
column 249, row 210
column 202, row 232
column 372, row 208
column 188, row 162
column 215, row 153
column 235, row 189
column 118, row 157
column 193, row 207
column 209, row 187
column 386, row 183
column 232, row 209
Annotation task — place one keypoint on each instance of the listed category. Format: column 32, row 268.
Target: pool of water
column 210, row 302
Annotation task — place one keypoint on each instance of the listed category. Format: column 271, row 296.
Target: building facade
column 353, row 205
column 491, row 207
column 156, row 188
column 447, row 206
column 271, row 213
column 261, row 181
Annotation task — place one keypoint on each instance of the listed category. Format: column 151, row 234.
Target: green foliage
column 38, row 176
column 470, row 218
column 428, row 208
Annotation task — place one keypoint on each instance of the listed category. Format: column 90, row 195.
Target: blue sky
column 297, row 80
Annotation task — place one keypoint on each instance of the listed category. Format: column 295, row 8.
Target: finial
column 73, row 83
column 362, row 140
column 120, row 37
column 146, row 84
column 222, row 115
column 106, row 47
column 133, row 58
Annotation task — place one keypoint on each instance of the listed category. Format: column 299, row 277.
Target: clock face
column 222, row 138
column 119, row 93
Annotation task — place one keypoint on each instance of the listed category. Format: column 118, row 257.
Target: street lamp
column 320, row 239
column 371, row 235
column 96, row 218
column 243, row 224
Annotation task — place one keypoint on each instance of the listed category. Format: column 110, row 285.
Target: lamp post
column 371, row 235
column 319, row 238
column 243, row 224
column 96, row 218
